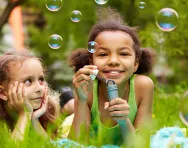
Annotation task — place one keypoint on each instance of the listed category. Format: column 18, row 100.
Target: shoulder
column 142, row 81
column 144, row 87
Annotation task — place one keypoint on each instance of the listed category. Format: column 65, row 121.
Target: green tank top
column 99, row 133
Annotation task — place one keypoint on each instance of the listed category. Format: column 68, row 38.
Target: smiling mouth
column 113, row 74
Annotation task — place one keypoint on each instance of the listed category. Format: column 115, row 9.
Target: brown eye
column 124, row 54
column 102, row 54
column 41, row 80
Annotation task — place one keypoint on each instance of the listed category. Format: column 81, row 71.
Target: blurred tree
column 41, row 24
column 8, row 9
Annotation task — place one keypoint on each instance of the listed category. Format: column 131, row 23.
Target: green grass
column 165, row 114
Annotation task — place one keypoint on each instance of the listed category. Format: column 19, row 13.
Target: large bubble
column 55, row 41
column 101, row 2
column 167, row 19
column 53, row 5
column 76, row 16
column 142, row 5
column 92, row 47
column 183, row 109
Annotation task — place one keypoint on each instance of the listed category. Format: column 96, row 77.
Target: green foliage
column 165, row 114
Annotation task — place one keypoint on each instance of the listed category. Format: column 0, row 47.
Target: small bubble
column 142, row 5
column 101, row 2
column 92, row 47
column 53, row 5
column 76, row 16
column 55, row 41
column 167, row 19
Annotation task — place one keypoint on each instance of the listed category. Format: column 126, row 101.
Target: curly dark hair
column 110, row 20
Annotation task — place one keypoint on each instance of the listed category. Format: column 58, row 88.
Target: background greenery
column 40, row 23
column 171, row 47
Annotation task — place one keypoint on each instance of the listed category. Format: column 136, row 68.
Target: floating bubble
column 183, row 109
column 167, row 19
column 76, row 16
column 101, row 2
column 142, row 5
column 55, row 41
column 53, row 5
column 92, row 47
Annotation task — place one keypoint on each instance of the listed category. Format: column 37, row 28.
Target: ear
column 2, row 94
column 136, row 64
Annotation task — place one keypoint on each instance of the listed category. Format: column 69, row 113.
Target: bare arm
column 83, row 84
column 22, row 126
column 38, row 128
column 144, row 91
column 38, row 113
column 18, row 100
column 81, row 122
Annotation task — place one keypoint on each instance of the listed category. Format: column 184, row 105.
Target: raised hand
column 117, row 108
column 39, row 112
column 17, row 98
column 82, row 81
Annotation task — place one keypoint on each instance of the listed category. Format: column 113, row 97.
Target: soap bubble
column 167, row 19
column 142, row 5
column 101, row 2
column 92, row 47
column 53, row 5
column 76, row 16
column 55, row 41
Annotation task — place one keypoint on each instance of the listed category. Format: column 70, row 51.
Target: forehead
column 27, row 68
column 115, row 38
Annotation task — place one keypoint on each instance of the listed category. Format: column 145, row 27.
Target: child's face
column 115, row 56
column 32, row 76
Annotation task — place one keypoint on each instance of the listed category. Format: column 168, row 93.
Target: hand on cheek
column 17, row 98
column 39, row 112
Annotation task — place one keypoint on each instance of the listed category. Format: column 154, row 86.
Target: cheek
column 99, row 62
column 28, row 91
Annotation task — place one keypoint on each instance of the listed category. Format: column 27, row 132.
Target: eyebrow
column 121, row 48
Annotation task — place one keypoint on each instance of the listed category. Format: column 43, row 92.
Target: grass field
column 165, row 114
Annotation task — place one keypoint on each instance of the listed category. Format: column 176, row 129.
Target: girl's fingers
column 14, row 92
column 10, row 94
column 117, row 101
column 85, row 70
column 45, row 96
column 24, row 95
column 83, row 77
column 85, row 85
column 119, row 113
column 106, row 105
column 19, row 92
column 119, row 107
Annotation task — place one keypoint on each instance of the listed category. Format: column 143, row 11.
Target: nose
column 113, row 60
column 39, row 87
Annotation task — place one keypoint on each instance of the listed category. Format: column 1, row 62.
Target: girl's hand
column 82, row 81
column 117, row 108
column 17, row 98
column 39, row 112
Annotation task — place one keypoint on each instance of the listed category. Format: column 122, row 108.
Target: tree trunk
column 6, row 13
